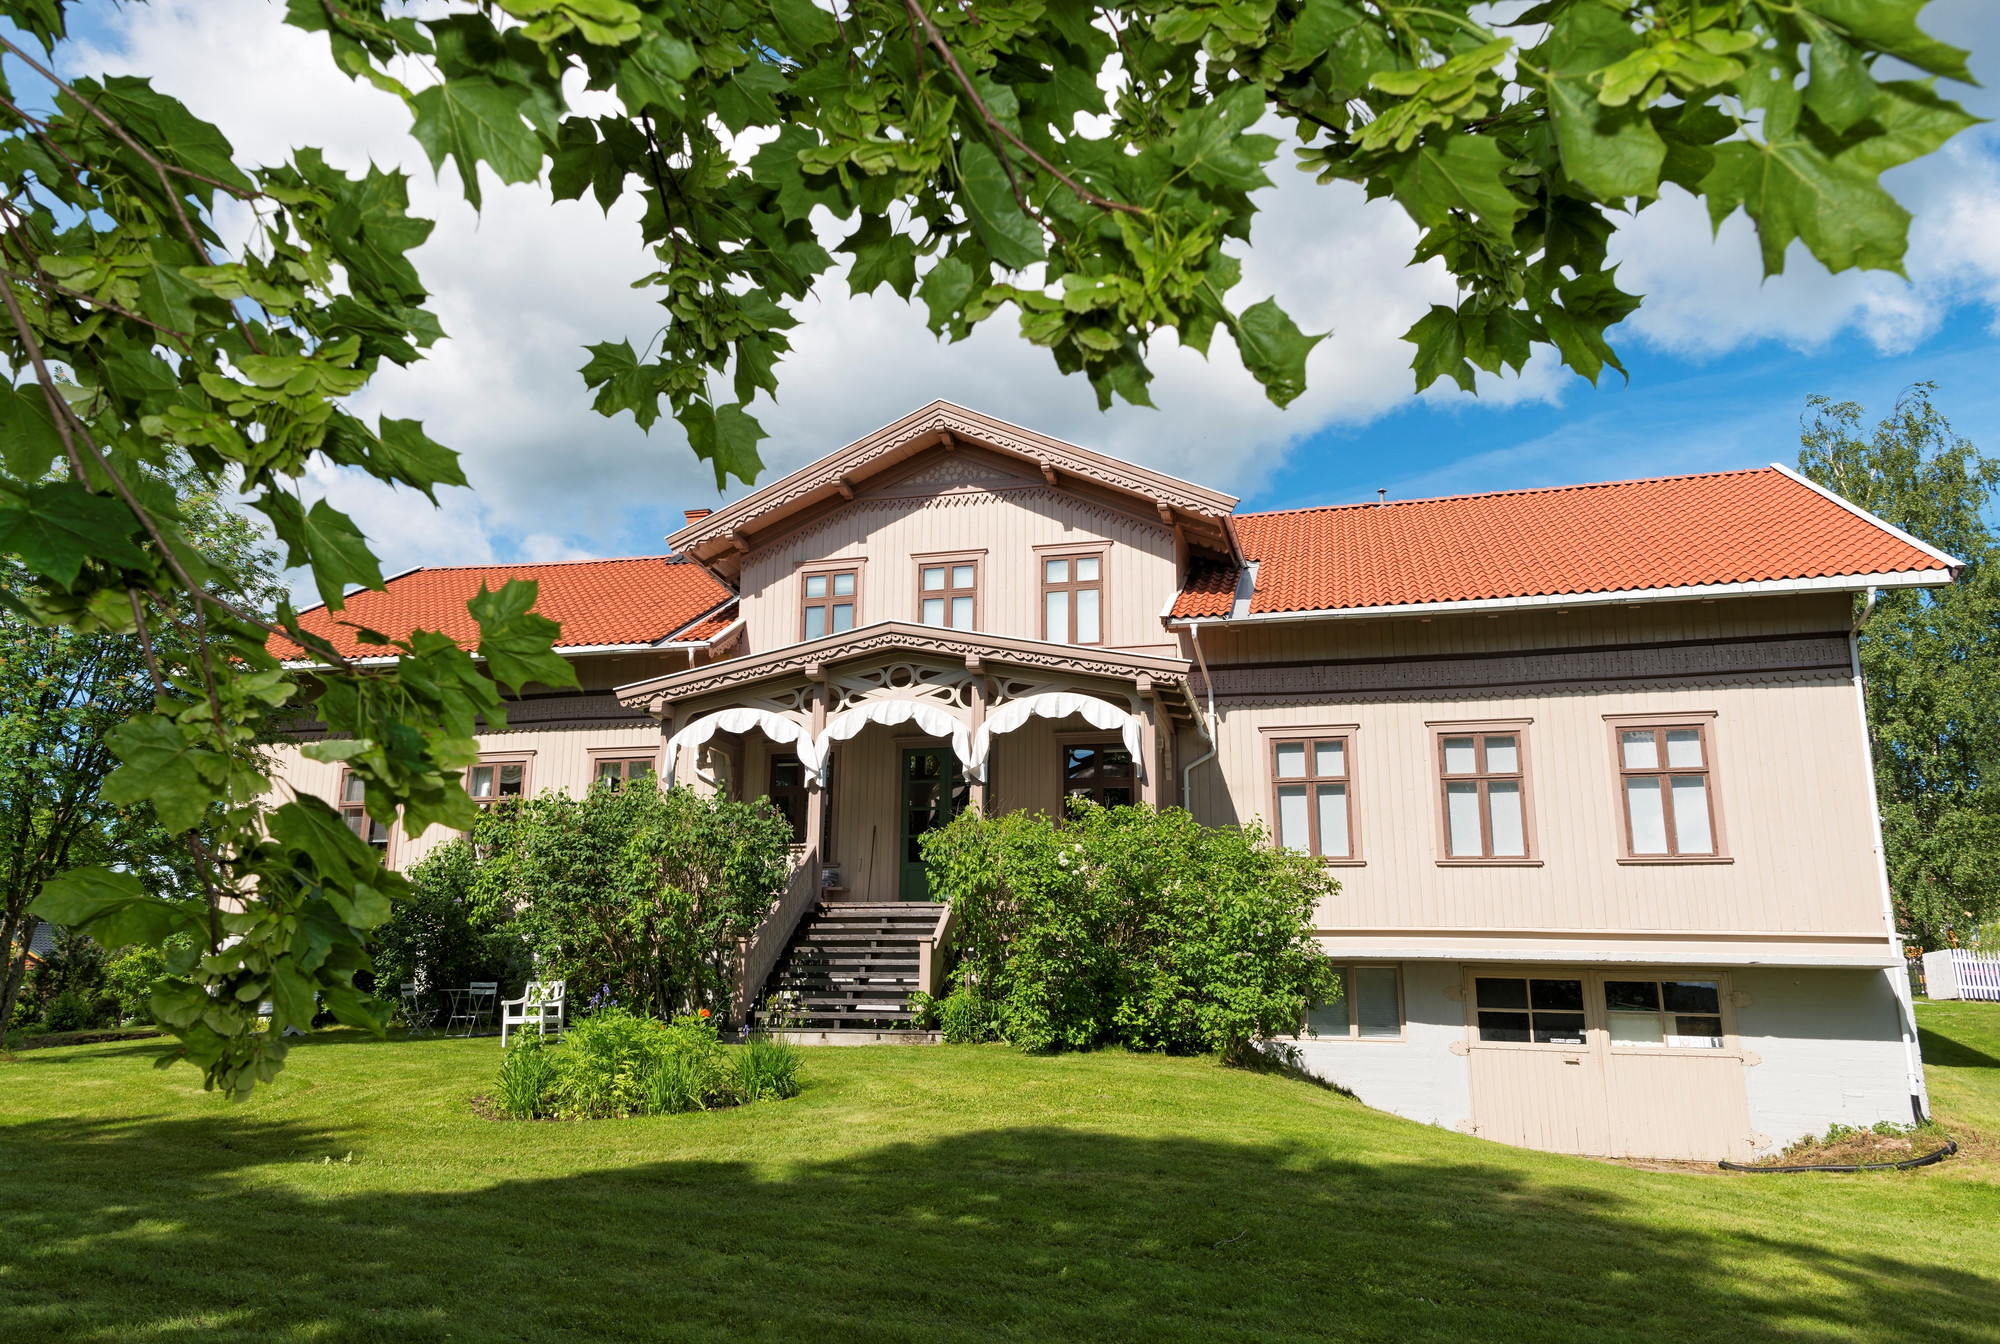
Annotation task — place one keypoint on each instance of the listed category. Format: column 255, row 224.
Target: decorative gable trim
column 838, row 474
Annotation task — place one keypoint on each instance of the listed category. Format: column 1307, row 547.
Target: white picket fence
column 1957, row 974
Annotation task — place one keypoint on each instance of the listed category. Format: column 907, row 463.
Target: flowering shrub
column 1127, row 925
column 615, row 1063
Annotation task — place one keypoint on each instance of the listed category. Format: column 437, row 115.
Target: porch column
column 1149, row 740
column 815, row 796
column 975, row 665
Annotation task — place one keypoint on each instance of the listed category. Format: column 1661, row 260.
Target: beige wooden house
column 1591, row 763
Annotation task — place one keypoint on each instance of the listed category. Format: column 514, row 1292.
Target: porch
column 867, row 739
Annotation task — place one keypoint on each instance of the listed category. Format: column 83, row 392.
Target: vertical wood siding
column 1007, row 515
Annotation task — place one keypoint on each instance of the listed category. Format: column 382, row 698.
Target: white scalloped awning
column 1056, row 705
column 932, row 718
column 774, row 726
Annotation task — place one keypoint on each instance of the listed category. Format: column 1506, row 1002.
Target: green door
column 933, row 793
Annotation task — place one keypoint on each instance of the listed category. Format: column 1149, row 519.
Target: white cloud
column 523, row 287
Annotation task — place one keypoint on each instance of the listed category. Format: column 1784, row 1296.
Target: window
column 495, row 780
column 1101, row 772
column 1544, row 1012
column 1663, row 776
column 1485, row 803
column 617, row 771
column 949, row 594
column 1684, row 1013
column 788, row 793
column 829, row 601
column 353, row 794
column 1370, row 1007
column 1310, row 775
column 1072, row 599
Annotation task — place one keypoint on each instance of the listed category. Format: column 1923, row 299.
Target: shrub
column 644, row 891
column 1130, row 925
column 449, row 930
column 615, row 1063
column 965, row 1018
column 767, row 1070
column 527, row 1073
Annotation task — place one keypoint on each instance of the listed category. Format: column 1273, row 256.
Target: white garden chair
column 541, row 1003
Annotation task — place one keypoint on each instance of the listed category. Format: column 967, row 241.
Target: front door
column 933, row 793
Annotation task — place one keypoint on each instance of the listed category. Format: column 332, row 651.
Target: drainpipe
column 1906, row 1013
column 1208, row 729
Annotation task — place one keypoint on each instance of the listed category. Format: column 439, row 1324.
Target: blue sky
column 1677, row 414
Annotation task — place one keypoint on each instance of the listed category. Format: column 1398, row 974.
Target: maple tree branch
column 965, row 82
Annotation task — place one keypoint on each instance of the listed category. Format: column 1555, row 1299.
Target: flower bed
column 615, row 1064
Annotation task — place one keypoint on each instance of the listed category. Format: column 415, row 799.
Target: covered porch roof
column 816, row 659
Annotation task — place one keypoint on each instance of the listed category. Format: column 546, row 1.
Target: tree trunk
column 17, row 968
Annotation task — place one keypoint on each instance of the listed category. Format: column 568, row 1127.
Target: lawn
column 963, row 1193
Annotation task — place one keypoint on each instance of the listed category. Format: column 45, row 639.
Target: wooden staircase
column 850, row 966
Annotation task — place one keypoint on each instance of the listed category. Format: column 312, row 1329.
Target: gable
column 886, row 460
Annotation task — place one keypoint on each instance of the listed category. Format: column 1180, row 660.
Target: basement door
column 933, row 793
column 1632, row 1062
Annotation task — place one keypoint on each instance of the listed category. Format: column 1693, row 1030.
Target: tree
column 643, row 891
column 976, row 141
column 1930, row 659
column 62, row 693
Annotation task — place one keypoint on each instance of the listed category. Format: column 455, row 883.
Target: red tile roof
column 1622, row 536
column 638, row 600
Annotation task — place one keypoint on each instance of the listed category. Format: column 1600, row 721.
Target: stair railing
column 932, row 964
column 767, row 944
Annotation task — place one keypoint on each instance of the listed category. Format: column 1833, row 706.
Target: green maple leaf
column 1464, row 173
column 163, row 767
column 727, row 437
column 1792, row 190
column 881, row 257
column 1212, row 145
column 624, row 384
column 1613, row 153
column 514, row 641
column 1891, row 25
column 473, row 119
column 1274, row 349
column 29, row 442
column 324, row 539
column 413, row 457
column 113, row 908
column 54, row 528
column 1014, row 240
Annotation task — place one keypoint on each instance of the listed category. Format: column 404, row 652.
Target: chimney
column 696, row 515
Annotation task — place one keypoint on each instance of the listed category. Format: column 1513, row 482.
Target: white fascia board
column 1333, row 946
column 1849, row 583
column 387, row 659
column 1952, row 562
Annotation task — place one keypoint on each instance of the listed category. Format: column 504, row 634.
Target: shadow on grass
column 1945, row 1052
column 159, row 1228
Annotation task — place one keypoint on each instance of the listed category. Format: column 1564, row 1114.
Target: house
column 1590, row 763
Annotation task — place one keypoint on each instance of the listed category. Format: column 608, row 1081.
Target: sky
column 1720, row 360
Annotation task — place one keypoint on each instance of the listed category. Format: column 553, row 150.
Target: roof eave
column 1851, row 583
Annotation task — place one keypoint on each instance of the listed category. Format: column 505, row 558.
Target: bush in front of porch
column 640, row 892
column 1127, row 926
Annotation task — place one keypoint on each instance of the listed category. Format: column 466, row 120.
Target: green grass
column 951, row 1194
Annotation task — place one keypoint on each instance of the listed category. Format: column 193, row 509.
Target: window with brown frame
column 1370, row 1007
column 1663, row 776
column 1099, row 771
column 353, row 797
column 618, row 771
column 491, row 781
column 948, row 594
column 1073, row 599
column 830, row 599
column 789, row 794
column 1485, row 794
column 1309, row 776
